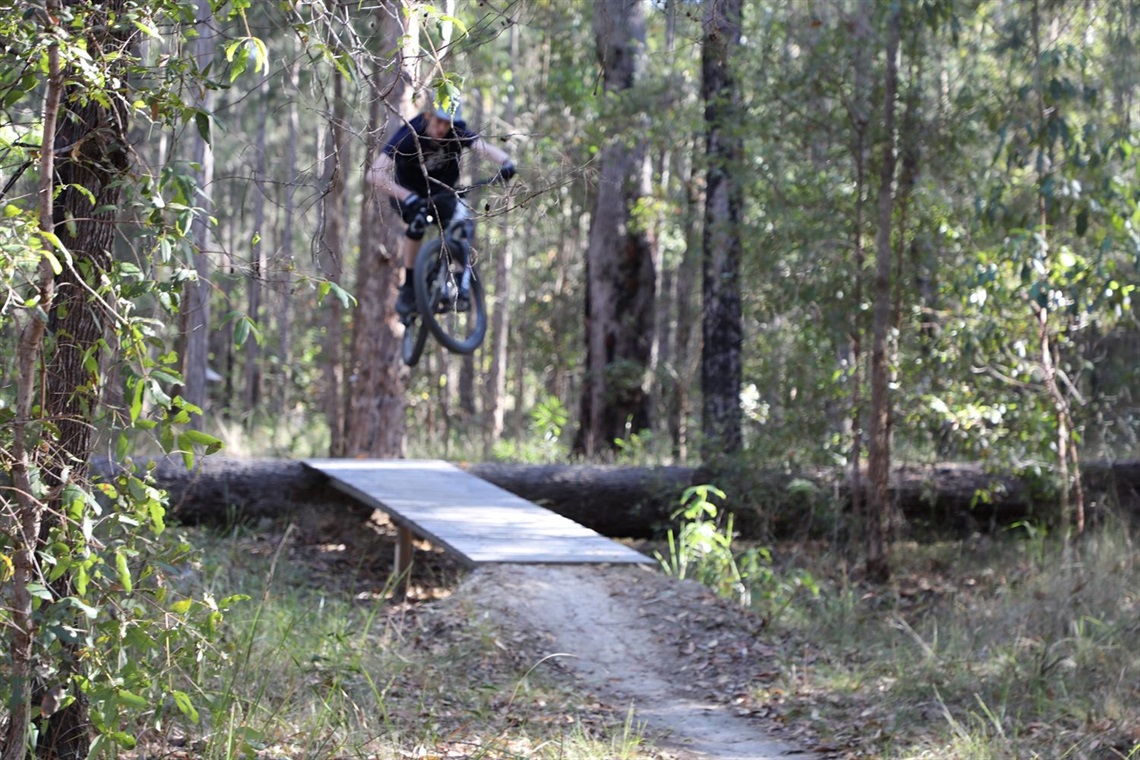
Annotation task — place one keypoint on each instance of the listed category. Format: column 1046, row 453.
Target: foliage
column 121, row 613
column 548, row 419
column 701, row 549
column 94, row 624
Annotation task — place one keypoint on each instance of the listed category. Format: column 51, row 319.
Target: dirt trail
column 637, row 638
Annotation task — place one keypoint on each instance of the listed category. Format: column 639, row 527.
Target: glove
column 411, row 206
column 506, row 171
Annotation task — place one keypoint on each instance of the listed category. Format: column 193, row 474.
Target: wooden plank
column 474, row 519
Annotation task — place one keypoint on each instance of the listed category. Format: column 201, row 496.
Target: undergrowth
column 1008, row 647
column 318, row 663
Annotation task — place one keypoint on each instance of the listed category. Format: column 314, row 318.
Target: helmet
column 449, row 111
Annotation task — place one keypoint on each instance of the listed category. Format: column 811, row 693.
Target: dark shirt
column 440, row 157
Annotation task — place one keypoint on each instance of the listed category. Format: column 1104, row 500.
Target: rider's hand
column 410, row 206
column 506, row 172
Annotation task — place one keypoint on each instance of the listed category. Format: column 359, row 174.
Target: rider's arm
column 484, row 148
column 382, row 176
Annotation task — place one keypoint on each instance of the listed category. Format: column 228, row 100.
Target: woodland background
column 745, row 236
column 793, row 234
column 982, row 164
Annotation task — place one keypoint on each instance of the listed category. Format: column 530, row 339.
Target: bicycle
column 450, row 302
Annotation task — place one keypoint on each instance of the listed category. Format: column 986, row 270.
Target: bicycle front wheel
column 454, row 311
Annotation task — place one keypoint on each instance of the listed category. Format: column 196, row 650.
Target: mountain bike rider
column 420, row 159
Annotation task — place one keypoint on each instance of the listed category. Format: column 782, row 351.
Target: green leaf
column 81, row 579
column 130, row 699
column 124, row 571
column 122, row 738
column 241, row 331
column 200, row 438
column 345, row 298
column 52, row 260
column 39, row 591
column 202, row 121
column 185, row 706
column 136, row 399
column 90, row 611
column 182, row 606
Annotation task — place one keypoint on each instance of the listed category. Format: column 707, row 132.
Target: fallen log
column 637, row 502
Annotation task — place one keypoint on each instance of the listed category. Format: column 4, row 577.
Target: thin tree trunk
column 195, row 314
column 285, row 256
column 332, row 267
column 860, row 117
column 878, row 459
column 722, row 325
column 257, row 258
column 25, row 529
column 687, row 355
column 1068, row 462
column 494, row 401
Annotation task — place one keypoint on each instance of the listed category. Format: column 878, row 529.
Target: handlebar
column 423, row 218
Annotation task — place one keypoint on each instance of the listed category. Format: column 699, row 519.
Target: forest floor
column 959, row 657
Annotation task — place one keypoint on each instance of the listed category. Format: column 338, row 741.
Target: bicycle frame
column 449, row 297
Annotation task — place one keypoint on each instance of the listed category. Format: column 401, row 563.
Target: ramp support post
column 404, row 551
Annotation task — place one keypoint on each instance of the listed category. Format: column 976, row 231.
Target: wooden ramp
column 475, row 520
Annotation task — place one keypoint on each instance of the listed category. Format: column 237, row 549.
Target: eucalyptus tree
column 879, row 454
column 376, row 407
column 194, row 326
column 722, row 245
column 621, row 256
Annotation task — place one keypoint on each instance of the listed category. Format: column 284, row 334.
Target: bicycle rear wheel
column 415, row 337
column 459, row 323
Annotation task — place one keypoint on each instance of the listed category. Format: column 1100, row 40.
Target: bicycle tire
column 460, row 332
column 415, row 338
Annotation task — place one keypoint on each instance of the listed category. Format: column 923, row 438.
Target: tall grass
column 991, row 649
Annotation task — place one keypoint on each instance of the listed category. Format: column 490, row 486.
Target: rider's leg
column 408, row 250
column 406, row 299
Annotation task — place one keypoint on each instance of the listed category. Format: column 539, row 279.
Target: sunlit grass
column 317, row 665
column 1007, row 648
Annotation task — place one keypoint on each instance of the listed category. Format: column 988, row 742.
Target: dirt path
column 680, row 657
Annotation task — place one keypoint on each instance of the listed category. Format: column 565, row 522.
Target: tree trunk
column 878, row 456
column 83, row 216
column 24, row 527
column 686, row 354
column 284, row 261
column 332, row 267
column 861, row 117
column 620, row 258
column 374, row 395
column 257, row 258
column 722, row 326
column 496, row 391
column 195, row 311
